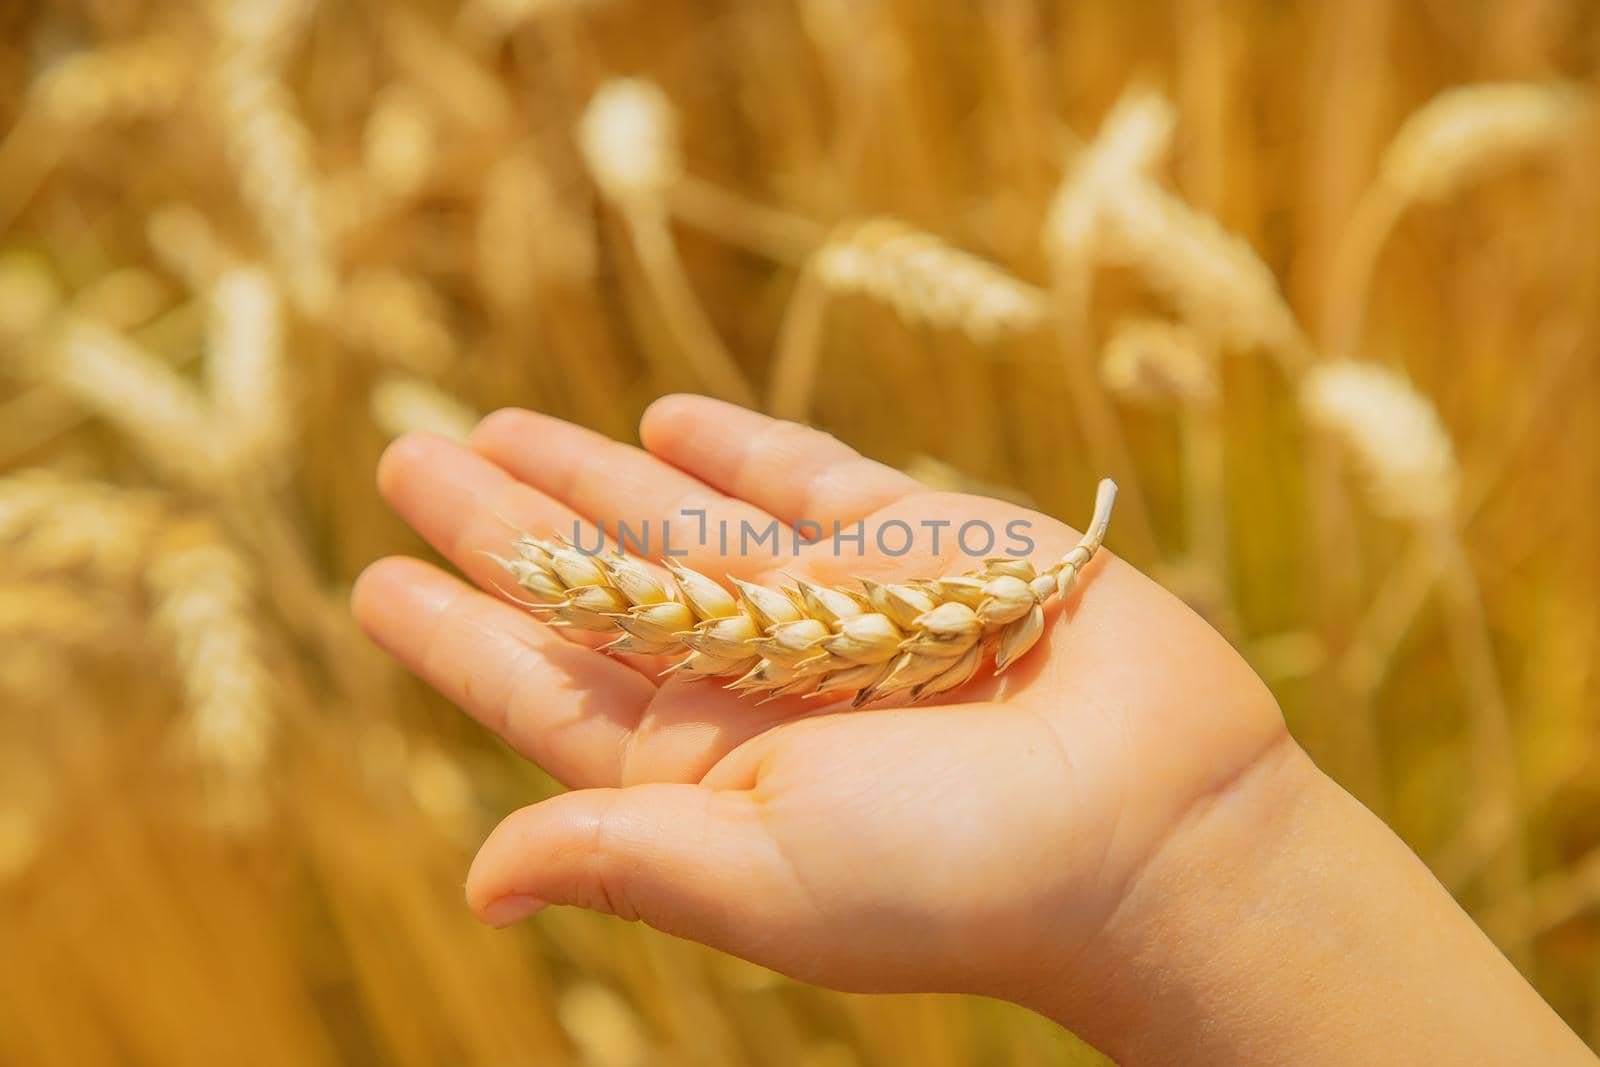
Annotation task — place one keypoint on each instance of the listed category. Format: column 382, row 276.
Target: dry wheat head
column 926, row 280
column 925, row 637
column 1392, row 431
column 629, row 139
column 1464, row 132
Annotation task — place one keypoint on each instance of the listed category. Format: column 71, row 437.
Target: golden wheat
column 926, row 280
column 927, row 636
column 1393, row 432
column 204, row 604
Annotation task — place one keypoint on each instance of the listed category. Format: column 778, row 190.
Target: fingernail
column 510, row 909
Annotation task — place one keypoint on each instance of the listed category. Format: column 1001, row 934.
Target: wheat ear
column 925, row 637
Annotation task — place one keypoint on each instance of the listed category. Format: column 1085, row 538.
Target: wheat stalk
column 925, row 637
column 1460, row 136
column 629, row 138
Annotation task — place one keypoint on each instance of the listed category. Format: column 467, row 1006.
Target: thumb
column 686, row 859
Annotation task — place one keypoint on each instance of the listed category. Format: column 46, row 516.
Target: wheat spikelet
column 164, row 414
column 405, row 405
column 925, row 637
column 629, row 139
column 1392, row 431
column 1153, row 362
column 1465, row 132
column 205, row 606
column 926, row 280
column 244, row 366
column 269, row 146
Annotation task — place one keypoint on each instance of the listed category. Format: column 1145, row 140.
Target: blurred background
column 1316, row 281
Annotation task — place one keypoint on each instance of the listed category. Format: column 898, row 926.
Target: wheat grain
column 1155, row 362
column 1467, row 131
column 1393, row 432
column 405, row 405
column 925, row 637
column 926, row 280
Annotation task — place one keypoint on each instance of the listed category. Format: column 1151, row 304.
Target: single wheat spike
column 629, row 138
column 1463, row 132
column 203, row 593
column 1392, row 431
column 926, row 280
column 1133, row 139
column 925, row 637
column 161, row 411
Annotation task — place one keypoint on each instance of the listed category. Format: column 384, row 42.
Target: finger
column 685, row 859
column 568, row 708
column 470, row 510
column 611, row 483
column 788, row 470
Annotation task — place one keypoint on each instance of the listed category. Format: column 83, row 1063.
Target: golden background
column 243, row 245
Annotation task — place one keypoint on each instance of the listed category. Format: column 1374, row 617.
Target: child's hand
column 1117, row 831
column 970, row 845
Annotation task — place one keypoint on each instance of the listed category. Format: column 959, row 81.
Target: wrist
column 1280, row 921
column 1127, row 992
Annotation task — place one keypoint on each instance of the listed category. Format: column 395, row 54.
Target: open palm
column 969, row 844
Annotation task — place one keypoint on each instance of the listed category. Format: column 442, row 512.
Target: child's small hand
column 1117, row 831
column 970, row 845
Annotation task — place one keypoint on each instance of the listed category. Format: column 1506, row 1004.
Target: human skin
column 1118, row 832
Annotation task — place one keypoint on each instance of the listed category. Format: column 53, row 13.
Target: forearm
column 1283, row 923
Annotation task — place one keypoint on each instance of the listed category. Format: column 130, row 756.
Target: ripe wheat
column 1392, row 431
column 926, row 280
column 925, row 637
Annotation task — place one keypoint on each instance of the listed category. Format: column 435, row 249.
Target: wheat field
column 1319, row 283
